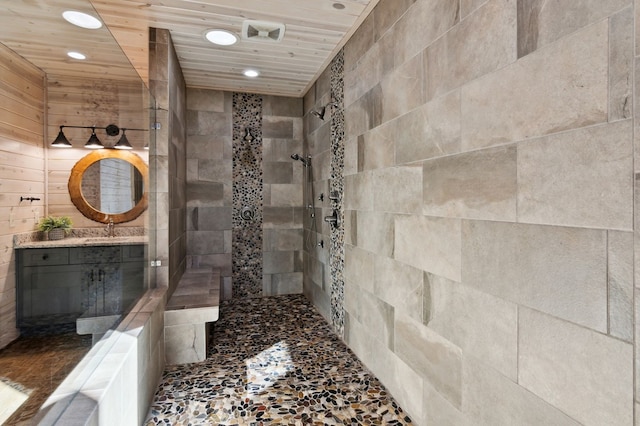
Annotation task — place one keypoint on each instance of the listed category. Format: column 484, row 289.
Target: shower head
column 319, row 114
column 306, row 162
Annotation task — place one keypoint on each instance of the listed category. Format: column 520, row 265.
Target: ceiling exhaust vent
column 262, row 31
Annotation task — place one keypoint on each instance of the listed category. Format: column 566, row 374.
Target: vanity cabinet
column 47, row 285
column 60, row 284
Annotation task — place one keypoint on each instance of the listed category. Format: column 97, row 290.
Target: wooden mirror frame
column 75, row 186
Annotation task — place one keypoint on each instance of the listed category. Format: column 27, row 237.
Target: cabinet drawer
column 45, row 257
column 134, row 253
column 95, row 254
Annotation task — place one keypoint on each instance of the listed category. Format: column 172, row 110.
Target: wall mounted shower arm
column 320, row 113
column 305, row 161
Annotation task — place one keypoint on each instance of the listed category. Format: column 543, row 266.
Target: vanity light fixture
column 123, row 143
column 93, row 142
column 251, row 73
column 61, row 140
column 221, row 37
column 81, row 19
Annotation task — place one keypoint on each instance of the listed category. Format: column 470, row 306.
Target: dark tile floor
column 37, row 364
column 273, row 361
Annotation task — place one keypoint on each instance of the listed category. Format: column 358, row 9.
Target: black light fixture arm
column 61, row 140
column 111, row 129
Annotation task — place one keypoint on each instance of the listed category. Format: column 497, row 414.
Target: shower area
column 246, row 204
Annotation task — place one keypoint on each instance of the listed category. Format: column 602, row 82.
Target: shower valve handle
column 333, row 219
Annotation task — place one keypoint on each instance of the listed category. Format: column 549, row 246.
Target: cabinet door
column 133, row 283
column 51, row 291
column 102, row 289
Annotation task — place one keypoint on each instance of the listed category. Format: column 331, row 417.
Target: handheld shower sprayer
column 305, row 161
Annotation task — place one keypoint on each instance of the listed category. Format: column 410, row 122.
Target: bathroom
column 483, row 173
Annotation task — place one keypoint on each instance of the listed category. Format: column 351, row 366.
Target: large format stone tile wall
column 168, row 165
column 489, row 208
column 317, row 284
column 215, row 191
column 282, row 234
column 209, row 180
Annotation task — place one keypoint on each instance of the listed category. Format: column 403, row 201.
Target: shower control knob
column 333, row 219
column 247, row 213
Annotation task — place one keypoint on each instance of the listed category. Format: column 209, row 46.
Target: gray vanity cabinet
column 60, row 284
column 48, row 286
column 133, row 281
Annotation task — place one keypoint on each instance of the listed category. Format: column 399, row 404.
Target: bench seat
column 193, row 306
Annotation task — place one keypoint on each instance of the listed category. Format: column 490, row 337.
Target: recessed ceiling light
column 77, row 55
column 338, row 6
column 82, row 19
column 221, row 37
column 251, row 73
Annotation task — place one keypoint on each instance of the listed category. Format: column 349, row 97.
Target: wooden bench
column 193, row 306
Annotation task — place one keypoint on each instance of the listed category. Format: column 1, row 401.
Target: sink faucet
column 111, row 228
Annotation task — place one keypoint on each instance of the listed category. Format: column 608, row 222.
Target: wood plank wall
column 29, row 168
column 22, row 99
column 87, row 102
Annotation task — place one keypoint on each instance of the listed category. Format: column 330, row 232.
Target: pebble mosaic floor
column 273, row 361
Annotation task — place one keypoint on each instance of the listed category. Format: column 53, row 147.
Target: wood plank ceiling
column 36, row 31
column 314, row 31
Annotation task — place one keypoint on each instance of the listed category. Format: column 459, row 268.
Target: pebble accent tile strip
column 273, row 361
column 336, row 260
column 247, row 193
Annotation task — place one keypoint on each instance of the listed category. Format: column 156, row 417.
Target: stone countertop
column 83, row 242
column 83, row 237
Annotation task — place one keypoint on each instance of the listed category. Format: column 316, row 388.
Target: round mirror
column 109, row 184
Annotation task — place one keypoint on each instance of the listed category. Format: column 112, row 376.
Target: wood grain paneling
column 21, row 169
column 37, row 32
column 314, row 32
column 86, row 102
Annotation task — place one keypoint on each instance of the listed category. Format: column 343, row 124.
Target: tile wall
column 489, row 208
column 219, row 185
column 246, row 216
column 317, row 283
column 168, row 167
column 336, row 192
column 282, row 226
